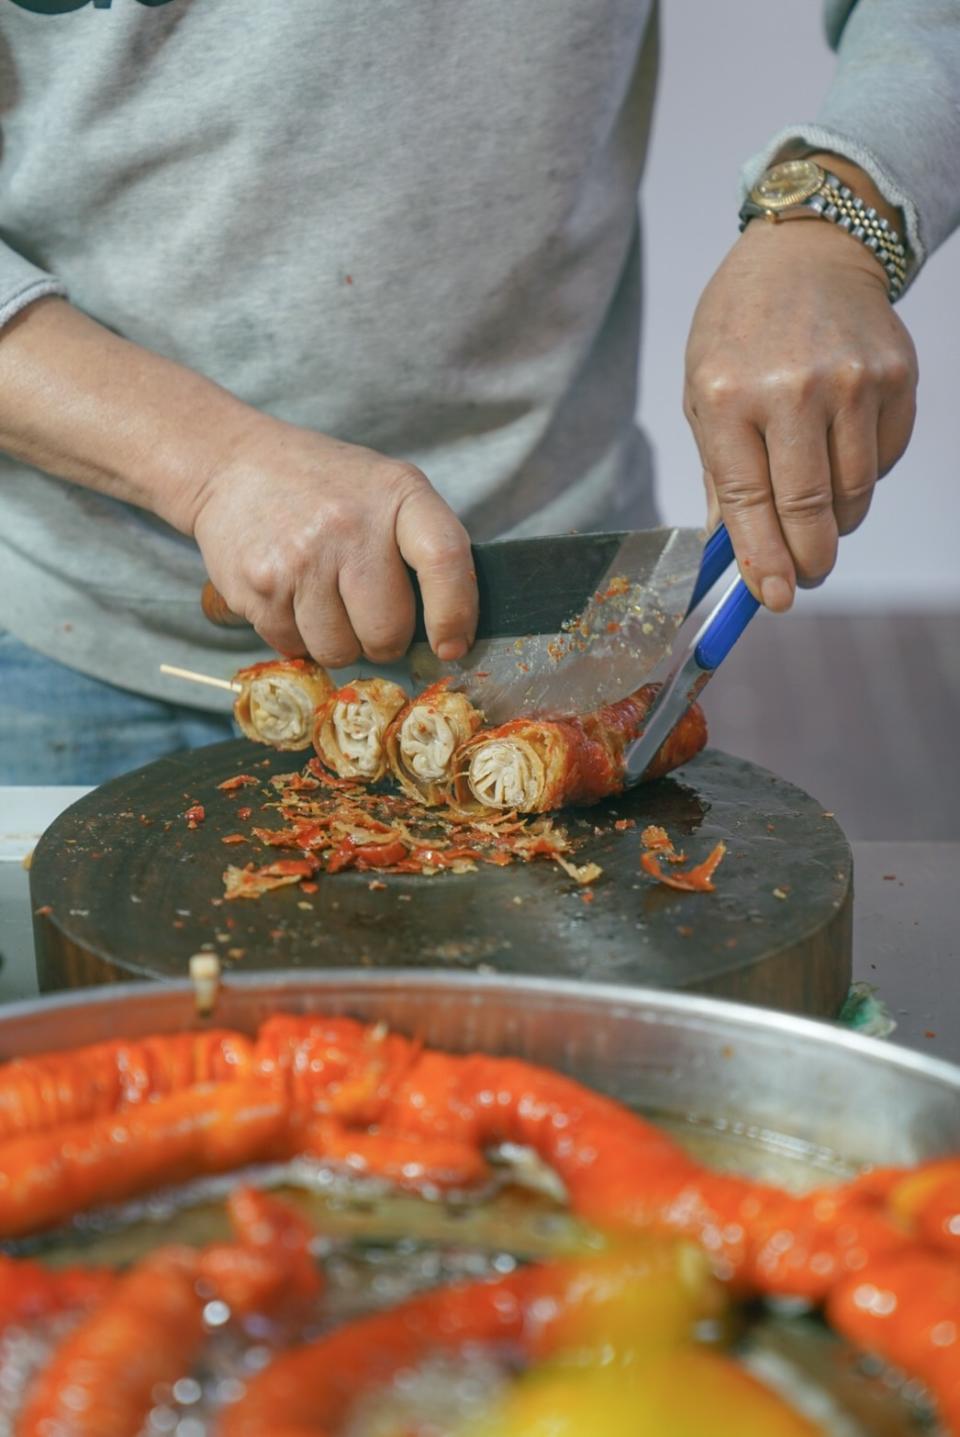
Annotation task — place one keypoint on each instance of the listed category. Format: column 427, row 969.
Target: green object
column 865, row 1013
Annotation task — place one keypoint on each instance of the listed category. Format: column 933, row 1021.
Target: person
column 294, row 296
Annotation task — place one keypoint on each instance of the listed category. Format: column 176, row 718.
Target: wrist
column 860, row 182
column 806, row 188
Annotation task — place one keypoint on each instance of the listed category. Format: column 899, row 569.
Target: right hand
column 305, row 537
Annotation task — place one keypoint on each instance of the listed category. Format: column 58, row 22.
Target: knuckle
column 403, row 478
column 262, row 573
column 852, row 377
column 339, row 518
column 443, row 551
column 740, row 492
column 795, row 387
column 857, row 489
column 713, row 388
column 897, row 371
column 805, row 505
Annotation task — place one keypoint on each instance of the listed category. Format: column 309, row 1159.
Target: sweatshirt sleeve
column 21, row 283
column 893, row 109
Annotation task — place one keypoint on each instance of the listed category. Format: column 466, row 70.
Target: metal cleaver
column 566, row 622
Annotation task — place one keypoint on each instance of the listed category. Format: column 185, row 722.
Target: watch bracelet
column 836, row 202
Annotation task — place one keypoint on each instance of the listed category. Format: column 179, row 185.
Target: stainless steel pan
column 755, row 1078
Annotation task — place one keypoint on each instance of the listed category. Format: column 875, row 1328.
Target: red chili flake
column 889, row 878
column 235, row 838
column 240, row 780
column 309, row 887
column 929, row 1033
column 376, row 886
column 195, row 815
column 348, row 279
column 43, row 910
column 731, row 943
column 178, row 923
column 243, row 813
column 587, row 895
column 622, row 824
column 481, row 674
column 613, row 627
column 684, row 930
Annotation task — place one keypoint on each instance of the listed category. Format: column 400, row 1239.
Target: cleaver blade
column 569, row 622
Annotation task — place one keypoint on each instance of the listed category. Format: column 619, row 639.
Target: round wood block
column 122, row 888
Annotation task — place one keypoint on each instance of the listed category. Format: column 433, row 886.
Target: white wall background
column 719, row 102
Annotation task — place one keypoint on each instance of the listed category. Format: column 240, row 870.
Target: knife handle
column 724, row 628
column 218, row 611
column 717, row 556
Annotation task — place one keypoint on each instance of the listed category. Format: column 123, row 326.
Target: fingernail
column 449, row 650
column 776, row 593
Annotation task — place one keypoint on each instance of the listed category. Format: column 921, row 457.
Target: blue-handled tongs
column 702, row 656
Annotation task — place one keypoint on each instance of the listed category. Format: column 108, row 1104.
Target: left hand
column 800, row 390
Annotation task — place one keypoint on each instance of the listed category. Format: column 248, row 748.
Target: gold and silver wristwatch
column 802, row 187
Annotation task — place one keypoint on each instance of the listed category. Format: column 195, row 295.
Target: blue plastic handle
column 733, row 616
column 717, row 556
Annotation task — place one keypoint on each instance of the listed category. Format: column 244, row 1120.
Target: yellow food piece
column 687, row 1392
column 628, row 1302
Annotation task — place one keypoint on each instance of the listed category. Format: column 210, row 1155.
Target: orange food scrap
column 692, row 880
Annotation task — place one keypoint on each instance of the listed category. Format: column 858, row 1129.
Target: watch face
column 787, row 184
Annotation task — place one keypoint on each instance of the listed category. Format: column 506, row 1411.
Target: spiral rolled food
column 349, row 728
column 278, row 700
column 534, row 765
column 423, row 739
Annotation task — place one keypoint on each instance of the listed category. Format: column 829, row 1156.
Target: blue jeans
column 58, row 726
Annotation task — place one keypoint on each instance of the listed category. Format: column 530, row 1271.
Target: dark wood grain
column 122, row 888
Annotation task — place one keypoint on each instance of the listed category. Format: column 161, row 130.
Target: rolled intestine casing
column 534, row 765
column 424, row 737
column 278, row 700
column 349, row 728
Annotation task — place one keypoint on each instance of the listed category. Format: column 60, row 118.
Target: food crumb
column 401, row 898
column 308, row 887
column 684, row 930
column 889, row 878
column 587, row 895
column 376, row 886
column 517, row 900
column 307, row 906
column 779, row 893
column 929, row 1033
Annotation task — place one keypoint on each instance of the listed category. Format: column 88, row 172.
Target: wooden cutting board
column 122, row 888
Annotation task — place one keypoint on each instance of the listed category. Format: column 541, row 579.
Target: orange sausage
column 46, row 1178
column 37, row 1094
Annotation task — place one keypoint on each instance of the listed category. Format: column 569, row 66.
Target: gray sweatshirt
column 411, row 224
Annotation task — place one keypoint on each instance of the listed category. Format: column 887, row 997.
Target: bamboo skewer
column 196, row 678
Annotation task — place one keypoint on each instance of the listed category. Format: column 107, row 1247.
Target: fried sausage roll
column 348, row 732
column 278, row 700
column 533, row 765
column 424, row 737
